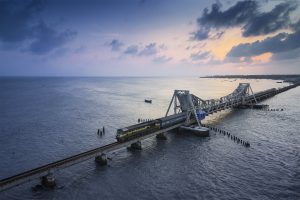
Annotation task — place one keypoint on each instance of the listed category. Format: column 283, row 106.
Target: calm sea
column 47, row 119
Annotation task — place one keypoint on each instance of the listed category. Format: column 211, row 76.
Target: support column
column 137, row 145
column 161, row 136
column 101, row 160
column 48, row 181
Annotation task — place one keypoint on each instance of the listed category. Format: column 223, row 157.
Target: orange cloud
column 233, row 37
column 265, row 57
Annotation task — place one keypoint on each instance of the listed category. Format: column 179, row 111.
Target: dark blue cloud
column 218, row 35
column 296, row 26
column 280, row 43
column 116, row 45
column 22, row 26
column 287, row 55
column 269, row 22
column 132, row 50
column 149, row 50
column 201, row 34
column 239, row 13
column 46, row 39
column 247, row 15
column 16, row 18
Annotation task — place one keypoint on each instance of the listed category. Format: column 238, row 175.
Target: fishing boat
column 148, row 100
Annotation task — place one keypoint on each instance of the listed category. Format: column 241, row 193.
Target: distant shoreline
column 293, row 78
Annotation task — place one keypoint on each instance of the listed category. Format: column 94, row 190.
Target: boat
column 148, row 100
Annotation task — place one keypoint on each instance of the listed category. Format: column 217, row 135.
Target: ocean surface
column 46, row 119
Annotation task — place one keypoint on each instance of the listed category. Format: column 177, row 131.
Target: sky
column 149, row 37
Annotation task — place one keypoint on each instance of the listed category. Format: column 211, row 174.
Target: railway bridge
column 184, row 103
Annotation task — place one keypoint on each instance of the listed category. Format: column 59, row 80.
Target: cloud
column 22, row 28
column 80, row 49
column 149, row 50
column 201, row 34
column 241, row 12
column 264, row 23
column 281, row 42
column 162, row 59
column 296, row 26
column 116, row 45
column 293, row 54
column 200, row 55
column 61, row 52
column 15, row 18
column 245, row 14
column 162, row 47
column 47, row 39
column 132, row 50
column 217, row 35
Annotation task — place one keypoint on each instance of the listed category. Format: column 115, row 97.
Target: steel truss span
column 183, row 103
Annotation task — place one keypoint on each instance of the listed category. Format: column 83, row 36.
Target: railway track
column 20, row 178
column 46, row 169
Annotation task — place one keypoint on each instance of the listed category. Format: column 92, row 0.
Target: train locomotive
column 145, row 128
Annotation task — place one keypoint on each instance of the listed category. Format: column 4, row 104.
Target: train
column 145, row 128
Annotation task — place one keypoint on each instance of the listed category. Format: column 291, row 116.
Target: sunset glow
column 265, row 57
column 148, row 38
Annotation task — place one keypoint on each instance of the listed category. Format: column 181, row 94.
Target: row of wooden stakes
column 231, row 136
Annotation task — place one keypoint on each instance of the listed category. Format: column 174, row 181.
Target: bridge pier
column 137, row 145
column 101, row 160
column 240, row 96
column 161, row 136
column 48, row 181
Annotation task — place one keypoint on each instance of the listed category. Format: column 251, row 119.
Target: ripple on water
column 64, row 118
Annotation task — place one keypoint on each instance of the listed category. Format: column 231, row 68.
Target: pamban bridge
column 184, row 112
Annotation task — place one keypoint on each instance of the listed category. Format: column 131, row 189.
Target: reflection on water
column 46, row 119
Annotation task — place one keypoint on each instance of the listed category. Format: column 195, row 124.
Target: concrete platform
column 196, row 130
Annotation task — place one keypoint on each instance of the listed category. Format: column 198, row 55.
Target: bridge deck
column 44, row 170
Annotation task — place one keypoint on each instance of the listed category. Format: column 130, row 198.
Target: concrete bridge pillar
column 161, row 136
column 48, row 181
column 137, row 145
column 243, row 101
column 101, row 160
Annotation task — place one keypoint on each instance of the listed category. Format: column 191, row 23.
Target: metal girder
column 184, row 101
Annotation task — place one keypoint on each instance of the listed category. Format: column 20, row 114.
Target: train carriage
column 139, row 130
column 171, row 120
